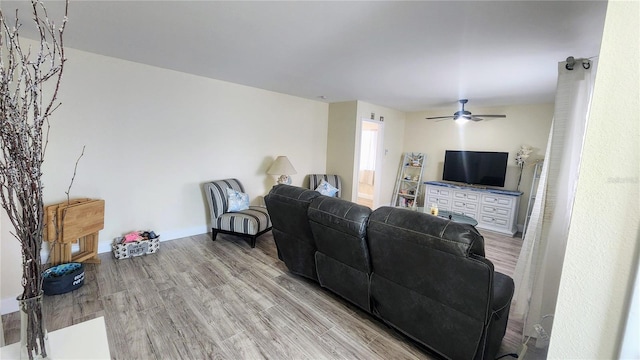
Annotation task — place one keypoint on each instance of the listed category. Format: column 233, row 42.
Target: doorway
column 370, row 163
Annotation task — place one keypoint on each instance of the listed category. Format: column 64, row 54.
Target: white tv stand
column 496, row 210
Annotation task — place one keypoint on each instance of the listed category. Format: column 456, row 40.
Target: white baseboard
column 105, row 247
column 9, row 305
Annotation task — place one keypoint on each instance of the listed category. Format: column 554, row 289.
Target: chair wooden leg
column 253, row 241
column 214, row 233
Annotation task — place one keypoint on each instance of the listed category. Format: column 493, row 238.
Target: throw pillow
column 238, row 201
column 327, row 189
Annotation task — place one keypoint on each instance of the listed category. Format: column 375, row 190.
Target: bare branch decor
column 29, row 83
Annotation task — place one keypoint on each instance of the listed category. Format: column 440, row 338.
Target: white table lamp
column 282, row 166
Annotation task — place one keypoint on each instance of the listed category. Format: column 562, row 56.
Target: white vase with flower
column 521, row 159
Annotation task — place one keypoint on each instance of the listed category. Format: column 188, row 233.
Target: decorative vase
column 34, row 340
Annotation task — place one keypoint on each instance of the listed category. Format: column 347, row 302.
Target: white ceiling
column 410, row 56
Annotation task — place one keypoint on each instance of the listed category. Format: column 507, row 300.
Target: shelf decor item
column 30, row 78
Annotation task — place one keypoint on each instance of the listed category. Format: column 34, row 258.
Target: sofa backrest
column 342, row 260
column 287, row 206
column 340, row 230
column 430, row 278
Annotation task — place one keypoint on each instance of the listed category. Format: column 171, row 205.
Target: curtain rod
column 571, row 62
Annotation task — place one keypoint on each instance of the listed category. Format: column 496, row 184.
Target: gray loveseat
column 423, row 275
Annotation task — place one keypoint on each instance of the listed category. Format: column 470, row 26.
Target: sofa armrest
column 503, row 288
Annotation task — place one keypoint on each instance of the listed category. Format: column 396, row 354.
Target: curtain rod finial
column 570, row 62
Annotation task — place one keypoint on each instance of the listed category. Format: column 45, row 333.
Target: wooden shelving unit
column 408, row 181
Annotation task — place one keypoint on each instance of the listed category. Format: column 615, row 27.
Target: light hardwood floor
column 198, row 299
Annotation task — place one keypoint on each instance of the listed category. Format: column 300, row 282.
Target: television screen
column 475, row 167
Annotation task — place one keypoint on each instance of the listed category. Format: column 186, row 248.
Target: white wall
column 525, row 124
column 154, row 136
column 341, row 143
column 604, row 239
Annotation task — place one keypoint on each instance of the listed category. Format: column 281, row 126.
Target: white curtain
column 537, row 273
column 368, row 144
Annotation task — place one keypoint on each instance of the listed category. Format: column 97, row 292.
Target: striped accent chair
column 249, row 223
column 334, row 180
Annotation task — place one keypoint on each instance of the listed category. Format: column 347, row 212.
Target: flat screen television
column 475, row 167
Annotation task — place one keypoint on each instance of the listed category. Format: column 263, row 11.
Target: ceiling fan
column 464, row 114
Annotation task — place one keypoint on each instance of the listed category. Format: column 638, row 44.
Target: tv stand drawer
column 497, row 200
column 465, row 205
column 438, row 191
column 466, row 196
column 442, row 202
column 494, row 221
column 496, row 211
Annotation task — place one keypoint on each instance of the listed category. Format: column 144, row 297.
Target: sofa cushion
column 249, row 221
column 326, row 189
column 238, row 201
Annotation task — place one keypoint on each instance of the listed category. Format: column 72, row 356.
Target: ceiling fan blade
column 439, row 117
column 493, row 116
column 464, row 114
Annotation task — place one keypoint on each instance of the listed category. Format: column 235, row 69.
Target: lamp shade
column 282, row 166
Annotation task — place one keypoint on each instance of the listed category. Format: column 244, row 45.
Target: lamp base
column 284, row 179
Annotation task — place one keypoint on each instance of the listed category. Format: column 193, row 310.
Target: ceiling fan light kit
column 463, row 114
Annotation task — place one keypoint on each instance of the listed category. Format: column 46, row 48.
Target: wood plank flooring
column 198, row 299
